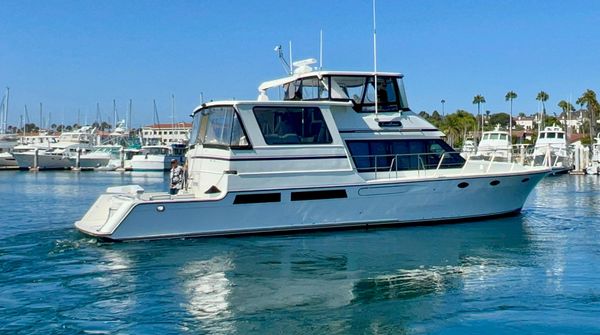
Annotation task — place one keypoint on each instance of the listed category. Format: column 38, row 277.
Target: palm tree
column 510, row 96
column 588, row 98
column 479, row 99
column 567, row 108
column 543, row 97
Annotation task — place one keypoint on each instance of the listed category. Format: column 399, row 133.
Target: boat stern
column 109, row 210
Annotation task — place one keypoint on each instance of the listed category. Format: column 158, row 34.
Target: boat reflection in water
column 231, row 285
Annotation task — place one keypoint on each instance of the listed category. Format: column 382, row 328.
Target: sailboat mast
column 173, row 111
column 5, row 115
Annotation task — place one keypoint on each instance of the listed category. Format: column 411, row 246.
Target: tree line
column 461, row 124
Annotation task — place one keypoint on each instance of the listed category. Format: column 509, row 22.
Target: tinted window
column 551, row 135
column 561, row 135
column 292, row 125
column 389, row 155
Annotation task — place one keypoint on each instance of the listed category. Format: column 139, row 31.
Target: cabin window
column 503, row 136
column 398, row 155
column 486, row 136
column 561, row 135
column 543, row 135
column 494, row 136
column 551, row 135
column 292, row 125
column 219, row 127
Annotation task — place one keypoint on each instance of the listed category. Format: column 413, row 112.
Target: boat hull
column 7, row 160
column 440, row 200
column 25, row 160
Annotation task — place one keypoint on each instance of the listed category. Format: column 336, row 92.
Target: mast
column 375, row 58
column 128, row 125
column 114, row 114
column 173, row 111
column 157, row 123
column 5, row 114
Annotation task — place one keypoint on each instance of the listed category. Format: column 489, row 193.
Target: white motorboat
column 158, row 157
column 594, row 164
column 495, row 145
column 551, row 149
column 328, row 156
column 56, row 156
column 468, row 148
column 7, row 143
column 105, row 156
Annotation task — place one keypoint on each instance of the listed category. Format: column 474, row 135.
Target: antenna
column 284, row 63
column 375, row 58
column 321, row 50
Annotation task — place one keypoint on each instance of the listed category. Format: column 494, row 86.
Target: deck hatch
column 256, row 198
column 319, row 195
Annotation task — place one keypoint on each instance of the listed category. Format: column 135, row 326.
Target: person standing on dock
column 176, row 177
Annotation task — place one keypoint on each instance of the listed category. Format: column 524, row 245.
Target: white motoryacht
column 109, row 155
column 332, row 154
column 57, row 155
column 551, row 149
column 7, row 143
column 158, row 157
column 594, row 164
column 468, row 148
column 495, row 145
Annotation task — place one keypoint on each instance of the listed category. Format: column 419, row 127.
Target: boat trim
column 247, row 159
column 323, row 227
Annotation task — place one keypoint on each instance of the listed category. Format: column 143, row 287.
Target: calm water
column 536, row 273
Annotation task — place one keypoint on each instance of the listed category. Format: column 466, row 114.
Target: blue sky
column 72, row 54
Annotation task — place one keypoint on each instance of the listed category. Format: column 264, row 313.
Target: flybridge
column 357, row 88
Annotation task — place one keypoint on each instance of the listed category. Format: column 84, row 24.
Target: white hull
column 127, row 216
column 25, row 160
column 152, row 162
column 7, row 160
column 91, row 162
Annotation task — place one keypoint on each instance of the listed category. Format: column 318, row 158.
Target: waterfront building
column 166, row 133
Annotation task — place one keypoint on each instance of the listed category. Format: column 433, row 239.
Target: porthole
column 494, row 182
column 525, row 180
column 463, row 185
column 160, row 208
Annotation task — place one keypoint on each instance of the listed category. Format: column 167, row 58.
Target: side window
column 220, row 127
column 292, row 125
column 392, row 155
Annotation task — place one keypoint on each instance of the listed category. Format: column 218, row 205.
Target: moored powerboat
column 158, row 157
column 495, row 145
column 551, row 149
column 57, row 155
column 7, row 143
column 339, row 151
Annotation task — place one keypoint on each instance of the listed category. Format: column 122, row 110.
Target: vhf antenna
column 284, row 63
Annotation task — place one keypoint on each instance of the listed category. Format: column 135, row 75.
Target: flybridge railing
column 420, row 162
